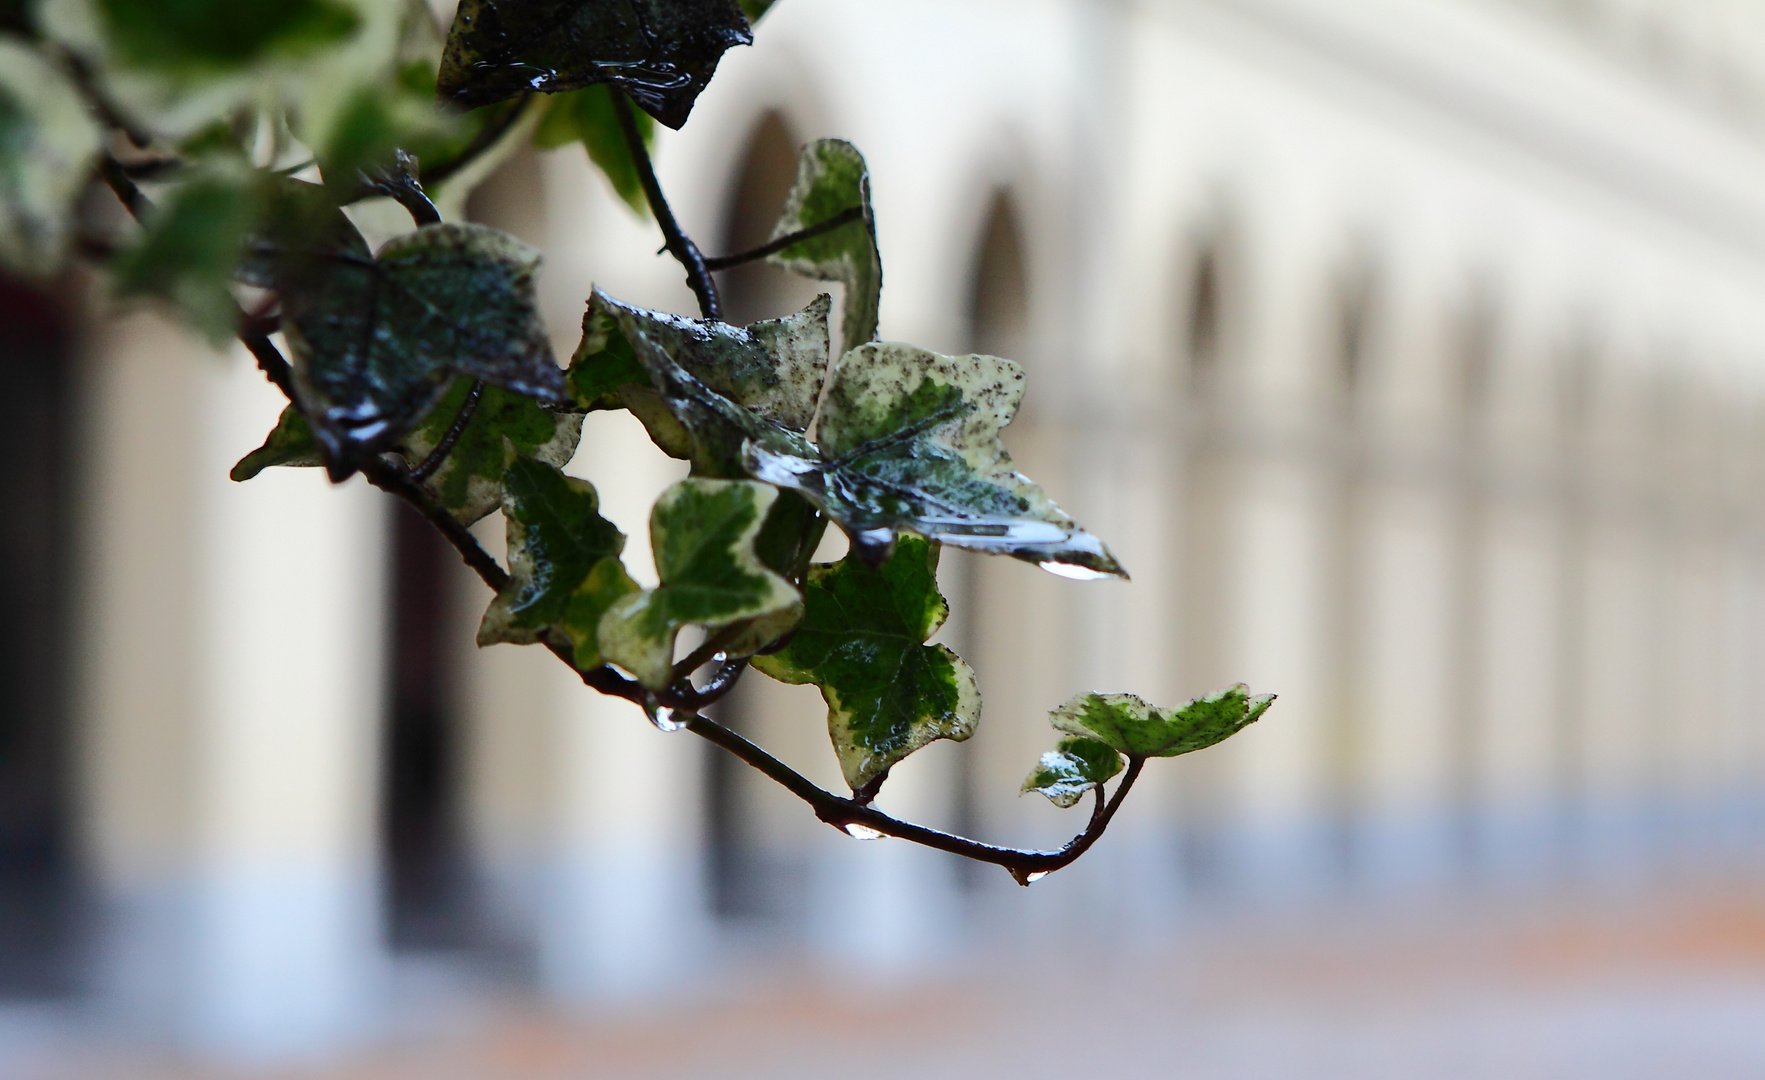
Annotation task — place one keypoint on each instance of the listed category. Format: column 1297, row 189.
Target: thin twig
column 426, row 468
column 127, row 191
column 844, row 217
column 698, row 273
column 486, row 138
column 392, row 480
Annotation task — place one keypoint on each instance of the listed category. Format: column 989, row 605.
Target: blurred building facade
column 1410, row 354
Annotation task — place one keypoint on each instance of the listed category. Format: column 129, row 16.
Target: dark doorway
column 37, row 880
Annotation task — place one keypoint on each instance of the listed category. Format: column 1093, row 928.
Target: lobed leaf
column 289, row 443
column 832, row 179
column 1075, row 765
column 660, row 52
column 1131, row 726
column 587, row 116
column 703, row 534
column 909, row 442
column 862, row 641
column 47, row 143
column 504, row 427
column 564, row 567
column 376, row 343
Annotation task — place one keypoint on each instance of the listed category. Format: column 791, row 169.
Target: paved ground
column 1669, row 985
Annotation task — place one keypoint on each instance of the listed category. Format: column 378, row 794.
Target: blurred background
column 1410, row 354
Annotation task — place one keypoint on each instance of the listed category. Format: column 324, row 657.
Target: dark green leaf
column 298, row 235
column 376, row 343
column 586, row 116
column 703, row 533
column 191, row 246
column 290, row 443
column 831, row 179
column 1130, row 725
column 563, row 563
column 1073, row 767
column 753, row 9
column 47, row 143
column 909, row 441
column 199, row 35
column 660, row 52
column 504, row 426
column 862, row 641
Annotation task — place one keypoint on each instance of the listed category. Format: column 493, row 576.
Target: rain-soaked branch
column 679, row 245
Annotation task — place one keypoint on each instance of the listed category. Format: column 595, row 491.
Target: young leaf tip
column 1129, row 725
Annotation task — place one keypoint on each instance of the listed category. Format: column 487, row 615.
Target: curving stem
column 679, row 245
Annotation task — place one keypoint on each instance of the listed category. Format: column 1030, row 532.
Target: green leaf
column 504, row 426
column 862, row 641
column 377, row 343
column 192, row 243
column 1128, row 724
column 290, row 443
column 753, row 9
column 660, row 52
column 1075, row 766
column 47, row 143
column 298, row 234
column 587, row 116
column 703, row 533
column 909, row 442
column 200, row 35
column 707, row 388
column 564, row 567
column 831, row 179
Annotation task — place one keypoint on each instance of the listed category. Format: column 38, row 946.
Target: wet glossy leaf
column 862, row 641
column 504, row 426
column 703, row 533
column 192, row 243
column 47, row 143
column 660, row 52
column 909, row 441
column 1075, row 766
column 586, row 116
column 831, row 179
column 377, row 343
column 563, row 563
column 1133, row 727
column 290, row 443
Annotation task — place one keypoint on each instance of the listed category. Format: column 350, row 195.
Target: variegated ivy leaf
column 504, row 426
column 862, row 641
column 832, row 179
column 47, row 143
column 564, row 567
column 909, row 441
column 586, row 116
column 1075, row 766
column 377, row 343
column 702, row 533
column 1128, row 724
column 660, row 52
column 290, row 443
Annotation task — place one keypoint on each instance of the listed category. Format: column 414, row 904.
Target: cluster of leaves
column 242, row 132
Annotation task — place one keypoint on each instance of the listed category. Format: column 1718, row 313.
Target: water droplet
column 667, row 719
column 1038, row 875
column 1076, row 573
column 862, row 832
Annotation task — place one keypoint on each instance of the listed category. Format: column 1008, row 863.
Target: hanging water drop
column 1035, row 876
column 861, row 832
column 1076, row 573
column 667, row 719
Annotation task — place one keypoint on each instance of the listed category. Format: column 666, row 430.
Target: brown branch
column 844, row 217
column 678, row 244
column 426, row 468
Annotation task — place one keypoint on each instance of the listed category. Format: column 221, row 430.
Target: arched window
column 756, row 290
column 999, row 303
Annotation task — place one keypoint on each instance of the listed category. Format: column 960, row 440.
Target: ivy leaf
column 909, row 441
column 862, row 641
column 503, row 426
column 200, row 36
column 564, row 567
column 587, row 116
column 298, row 234
column 290, row 443
column 376, row 343
column 47, row 143
column 1131, row 726
column 1075, row 766
column 832, row 179
column 703, row 533
column 190, row 247
column 661, row 52
column 753, row 9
